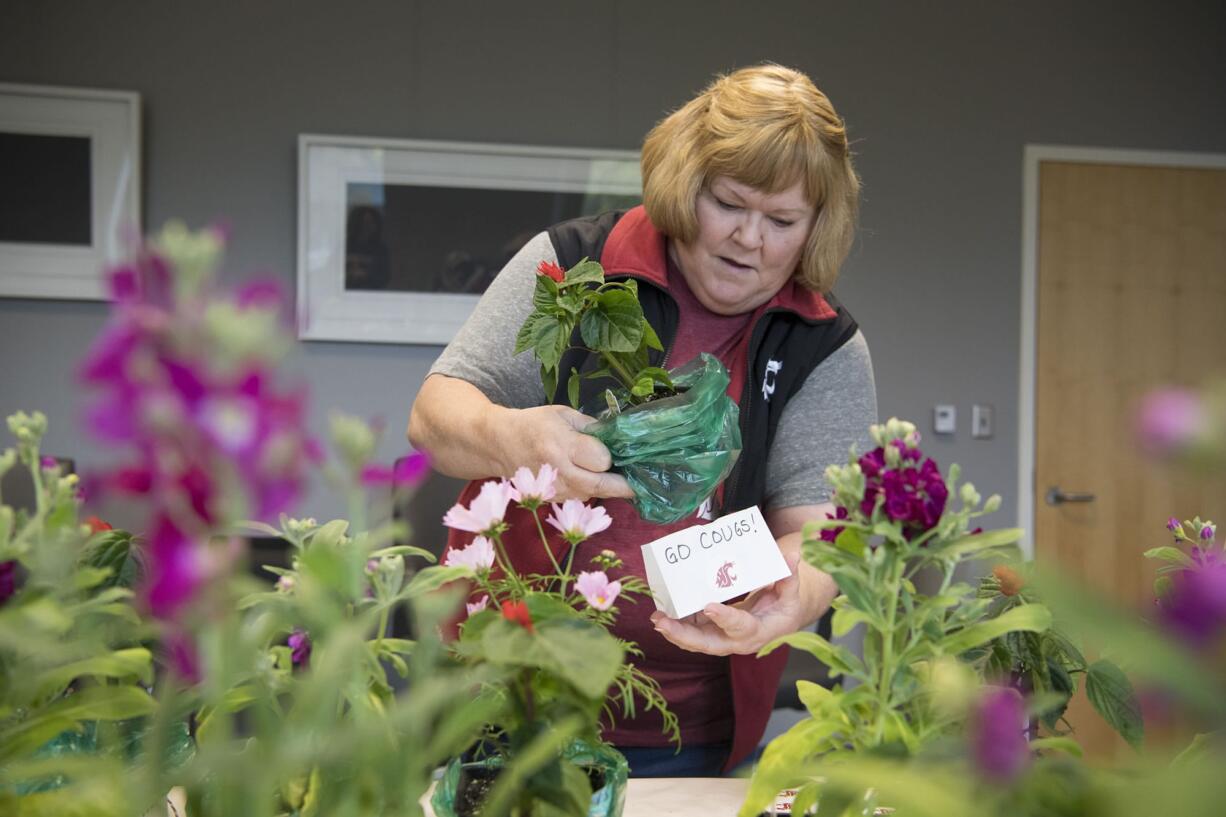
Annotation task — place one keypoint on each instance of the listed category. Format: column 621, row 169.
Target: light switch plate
column 982, row 424
column 944, row 418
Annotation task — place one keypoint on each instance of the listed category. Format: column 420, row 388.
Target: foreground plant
column 893, row 520
column 74, row 669
column 551, row 633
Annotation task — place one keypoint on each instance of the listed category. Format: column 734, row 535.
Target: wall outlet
column 944, row 419
column 982, row 426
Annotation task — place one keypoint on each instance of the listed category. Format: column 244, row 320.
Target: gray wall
column 940, row 99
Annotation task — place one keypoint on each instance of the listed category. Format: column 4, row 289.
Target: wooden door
column 1131, row 295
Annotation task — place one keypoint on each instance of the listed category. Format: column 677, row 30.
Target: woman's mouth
column 736, row 265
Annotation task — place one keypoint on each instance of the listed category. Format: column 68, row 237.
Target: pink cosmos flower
column 1170, row 421
column 533, row 490
column 578, row 521
column 597, row 589
column 477, row 606
column 479, row 555
column 485, row 514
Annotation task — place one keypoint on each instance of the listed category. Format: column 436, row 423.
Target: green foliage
column 611, row 325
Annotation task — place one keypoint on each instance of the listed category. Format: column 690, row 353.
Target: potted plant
column 673, row 435
column 550, row 634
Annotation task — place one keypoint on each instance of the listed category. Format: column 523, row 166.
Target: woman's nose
column 748, row 232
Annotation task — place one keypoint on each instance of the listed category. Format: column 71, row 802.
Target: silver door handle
column 1057, row 497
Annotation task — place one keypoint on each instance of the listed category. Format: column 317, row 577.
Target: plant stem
column 886, row 680
column 545, row 543
column 619, row 368
column 505, row 563
column 382, row 628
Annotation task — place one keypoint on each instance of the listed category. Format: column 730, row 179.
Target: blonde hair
column 767, row 127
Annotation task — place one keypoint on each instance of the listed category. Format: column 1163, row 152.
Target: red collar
column 636, row 248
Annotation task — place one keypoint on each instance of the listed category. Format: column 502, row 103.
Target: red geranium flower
column 96, row 525
column 517, row 612
column 552, row 270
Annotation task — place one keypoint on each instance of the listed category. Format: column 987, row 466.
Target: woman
column 749, row 206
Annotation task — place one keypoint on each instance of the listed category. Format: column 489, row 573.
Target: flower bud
column 970, row 497
column 353, row 437
column 993, row 504
column 388, row 576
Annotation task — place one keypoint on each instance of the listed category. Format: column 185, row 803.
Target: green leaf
column 431, row 578
column 845, row 619
column 572, row 388
column 1111, row 694
column 1170, row 554
column 545, row 295
column 643, row 387
column 403, row 550
column 525, row 339
column 549, row 380
column 1059, row 744
column 838, row 658
column 585, row 272
column 614, row 323
column 131, row 662
column 330, row 534
column 815, row 697
column 549, row 340
column 973, row 543
column 580, row 652
column 851, row 541
column 650, row 339
column 112, row 703
column 1030, row 617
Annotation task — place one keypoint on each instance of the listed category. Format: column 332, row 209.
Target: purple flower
column 408, row 472
column 1194, row 606
column 300, row 648
column 1170, row 421
column 8, row 580
column 998, row 740
column 1173, row 525
column 830, row 534
column 913, row 492
column 1206, row 533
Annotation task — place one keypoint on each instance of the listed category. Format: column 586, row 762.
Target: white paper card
column 688, row 569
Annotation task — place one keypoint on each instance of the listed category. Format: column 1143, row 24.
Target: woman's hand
column 553, row 434
column 742, row 628
column 469, row 437
column 788, row 605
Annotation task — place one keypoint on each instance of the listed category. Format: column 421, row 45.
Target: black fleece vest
column 784, row 348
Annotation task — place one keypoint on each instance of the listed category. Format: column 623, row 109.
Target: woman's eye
column 782, row 222
column 725, row 205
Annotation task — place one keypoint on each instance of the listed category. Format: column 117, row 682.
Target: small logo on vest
column 768, row 380
column 704, row 510
column 724, row 577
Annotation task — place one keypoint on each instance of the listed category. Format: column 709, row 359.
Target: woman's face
column 748, row 244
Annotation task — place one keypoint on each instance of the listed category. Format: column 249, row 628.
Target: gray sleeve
column 831, row 412
column 481, row 352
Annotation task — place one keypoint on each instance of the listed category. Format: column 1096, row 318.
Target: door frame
column 1033, row 155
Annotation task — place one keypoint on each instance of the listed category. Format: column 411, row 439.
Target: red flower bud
column 552, row 270
column 96, row 525
column 517, row 612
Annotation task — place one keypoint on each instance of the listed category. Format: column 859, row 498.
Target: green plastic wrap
column 674, row 451
column 607, row 801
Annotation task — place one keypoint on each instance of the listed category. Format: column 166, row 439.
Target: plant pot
column 464, row 785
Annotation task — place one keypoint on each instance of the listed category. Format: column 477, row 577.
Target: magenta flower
column 406, row 472
column 1194, row 607
column 830, row 534
column 597, row 589
column 1173, row 525
column 300, row 648
column 913, row 492
column 1207, row 533
column 479, row 555
column 484, row 515
column 578, row 521
column 998, row 740
column 175, row 572
column 472, row 608
column 532, row 490
column 179, row 651
column 8, row 580
column 1170, row 421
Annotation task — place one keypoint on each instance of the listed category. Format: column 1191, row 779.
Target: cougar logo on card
column 724, row 577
